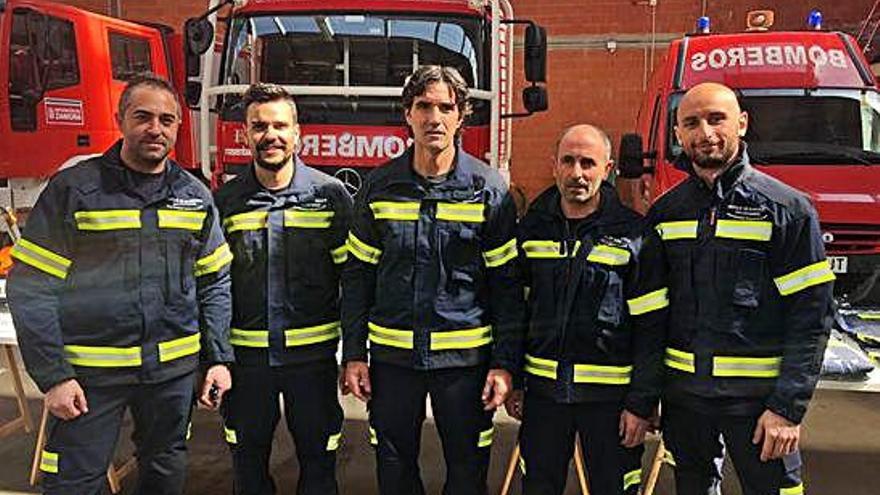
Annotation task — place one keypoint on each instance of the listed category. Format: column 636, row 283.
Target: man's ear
column 743, row 123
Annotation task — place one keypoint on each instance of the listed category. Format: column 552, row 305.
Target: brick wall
column 587, row 83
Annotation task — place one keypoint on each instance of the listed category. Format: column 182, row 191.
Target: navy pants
column 397, row 411
column 314, row 419
column 78, row 452
column 547, row 443
column 697, row 442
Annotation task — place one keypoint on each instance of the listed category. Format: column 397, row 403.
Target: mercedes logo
column 827, row 237
column 350, row 179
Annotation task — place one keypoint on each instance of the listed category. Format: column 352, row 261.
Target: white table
column 8, row 343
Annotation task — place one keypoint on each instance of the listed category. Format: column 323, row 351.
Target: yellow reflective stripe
column 363, row 251
column 340, row 254
column 308, row 219
column 683, row 229
column 461, row 212
column 333, row 441
column 868, row 338
column 486, row 437
column 469, row 338
column 500, row 255
column 875, row 355
column 374, row 440
column 178, row 219
column 311, row 335
column 746, row 367
column 178, row 348
column 102, row 357
column 396, row 210
column 872, row 315
column 794, row 490
column 213, row 262
column 545, row 368
column 631, row 478
column 254, row 220
column 391, row 337
column 747, row 230
column 680, row 360
column 108, row 219
column 249, row 338
column 651, row 301
column 41, row 258
column 49, row 462
column 522, row 465
column 608, row 255
column 668, row 458
column 231, row 436
column 808, row 276
column 540, row 249
column 602, row 374
column 189, row 430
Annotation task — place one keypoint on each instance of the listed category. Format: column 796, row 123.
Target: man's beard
column 709, row 162
column 273, row 167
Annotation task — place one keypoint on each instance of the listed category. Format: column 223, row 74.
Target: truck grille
column 849, row 239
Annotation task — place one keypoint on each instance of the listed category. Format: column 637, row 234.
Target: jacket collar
column 460, row 175
column 116, row 176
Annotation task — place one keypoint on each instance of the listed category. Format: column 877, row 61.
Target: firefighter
column 431, row 283
column 286, row 224
column 119, row 291
column 593, row 357
column 749, row 294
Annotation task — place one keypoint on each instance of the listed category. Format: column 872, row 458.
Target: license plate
column 838, row 263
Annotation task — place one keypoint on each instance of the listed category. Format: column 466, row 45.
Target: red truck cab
column 814, row 123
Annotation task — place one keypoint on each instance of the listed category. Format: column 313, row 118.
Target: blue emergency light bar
column 703, row 25
column 814, row 20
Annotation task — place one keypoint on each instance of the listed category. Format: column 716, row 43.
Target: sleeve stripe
column 363, row 251
column 500, row 255
column 41, row 258
column 340, row 254
column 808, row 276
column 213, row 262
column 651, row 301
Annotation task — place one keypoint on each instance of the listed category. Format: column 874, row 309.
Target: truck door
column 45, row 95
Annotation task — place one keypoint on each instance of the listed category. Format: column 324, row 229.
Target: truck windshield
column 377, row 50
column 794, row 128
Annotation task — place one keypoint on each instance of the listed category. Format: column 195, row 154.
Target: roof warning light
column 703, row 25
column 814, row 21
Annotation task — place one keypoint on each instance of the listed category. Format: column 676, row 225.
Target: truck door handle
column 83, row 140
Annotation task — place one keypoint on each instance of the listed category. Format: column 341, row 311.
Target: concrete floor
column 841, row 450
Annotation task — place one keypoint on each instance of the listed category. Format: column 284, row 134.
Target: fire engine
column 62, row 71
column 345, row 61
column 64, row 68
column 814, row 123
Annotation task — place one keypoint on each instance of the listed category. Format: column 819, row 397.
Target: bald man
column 749, row 296
column 594, row 358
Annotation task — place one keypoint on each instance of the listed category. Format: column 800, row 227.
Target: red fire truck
column 62, row 70
column 346, row 62
column 814, row 123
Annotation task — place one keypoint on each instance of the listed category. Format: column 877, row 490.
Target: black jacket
column 289, row 248
column 749, row 289
column 119, row 278
column 430, row 279
column 583, row 344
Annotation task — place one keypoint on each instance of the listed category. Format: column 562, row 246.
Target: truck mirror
column 193, row 94
column 535, row 99
column 630, row 159
column 199, row 35
column 535, row 53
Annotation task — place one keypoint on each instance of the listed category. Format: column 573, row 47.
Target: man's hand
column 219, row 379
column 780, row 435
column 498, row 386
column 514, row 404
column 632, row 429
column 357, row 379
column 343, row 387
column 67, row 400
